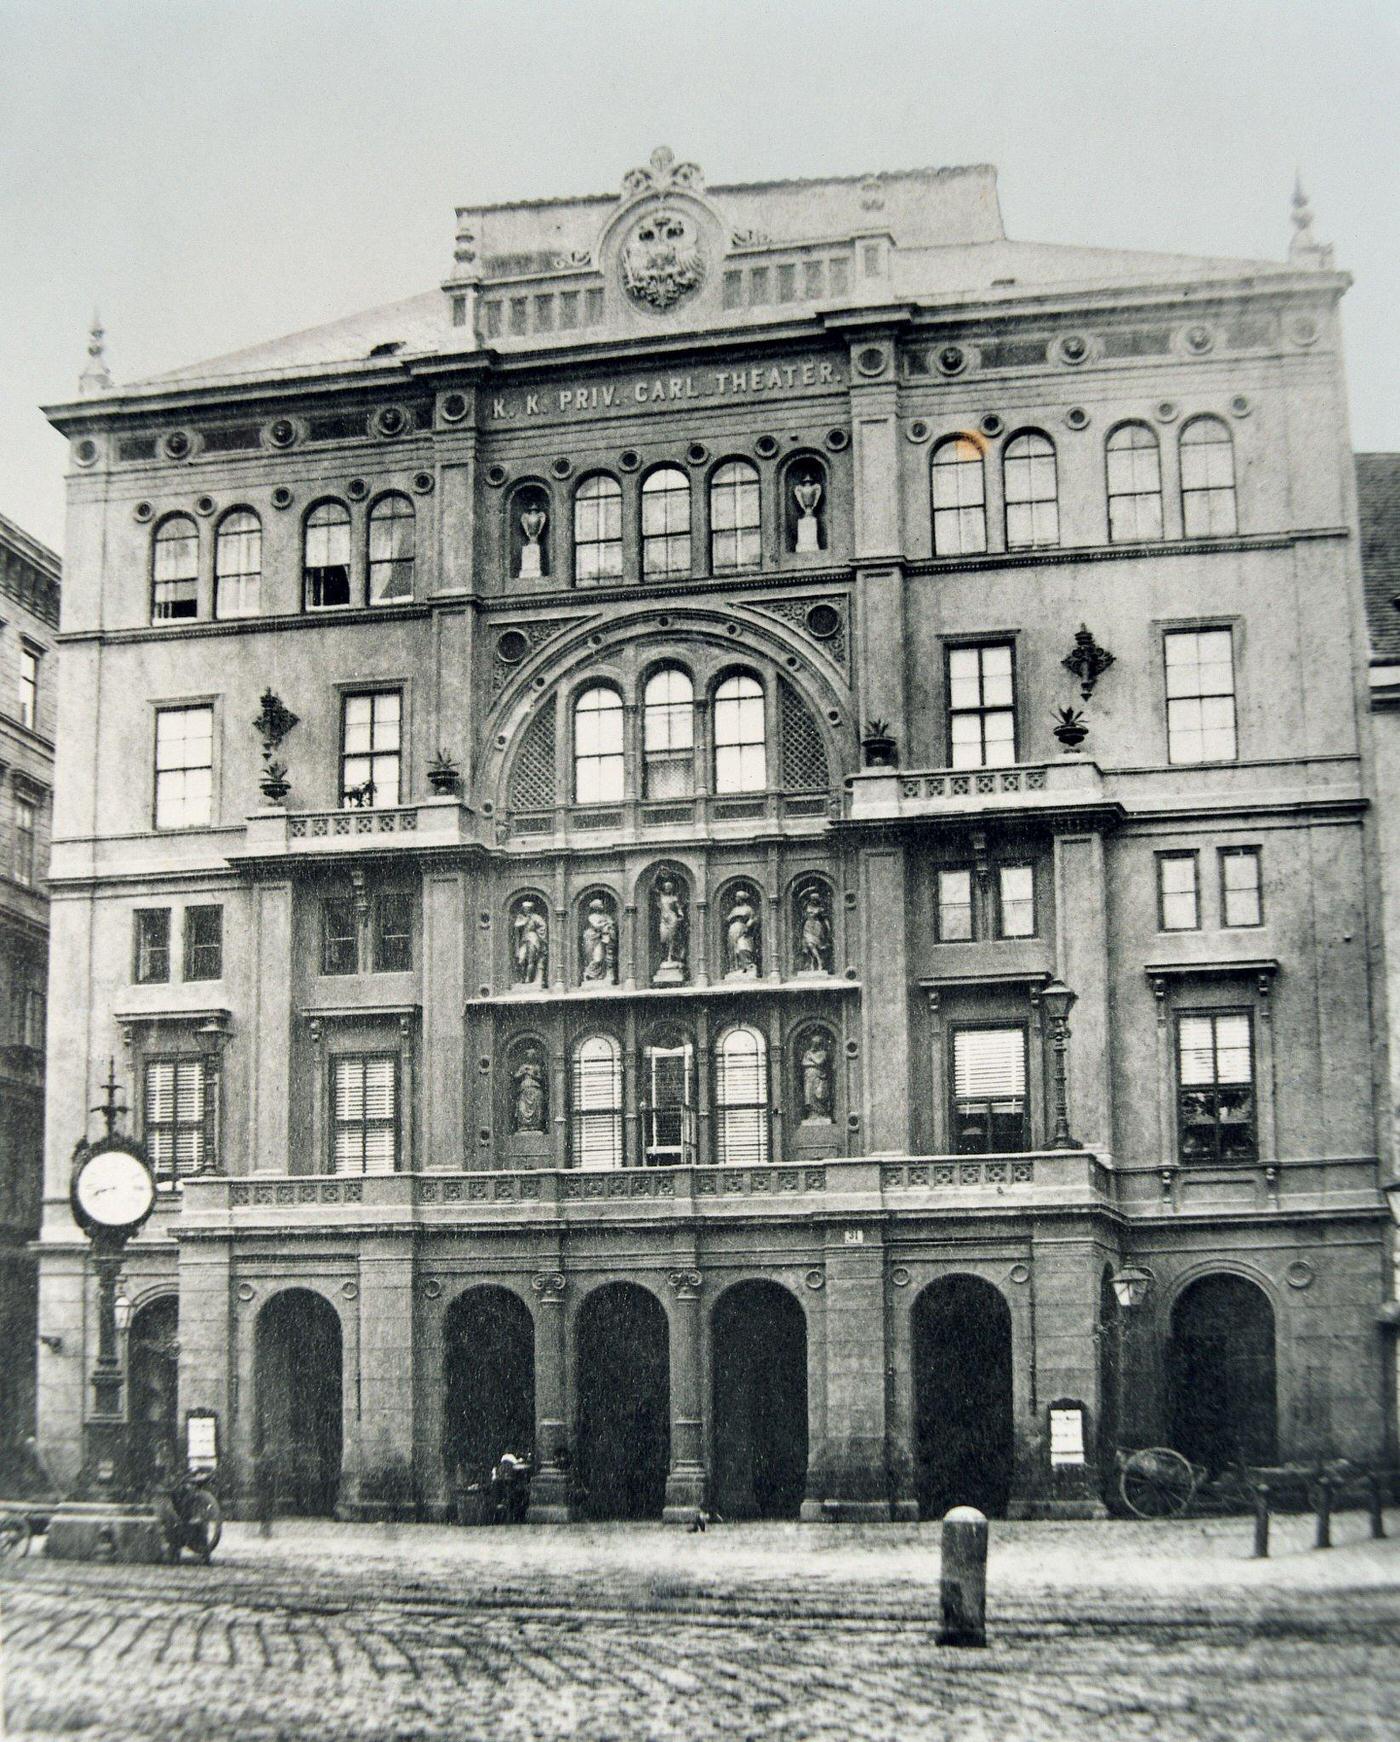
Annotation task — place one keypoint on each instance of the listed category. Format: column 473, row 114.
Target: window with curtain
column 741, row 758
column 175, row 570
column 204, row 943
column 366, row 1102
column 174, row 1117
column 29, row 658
column 598, row 531
column 391, row 533
column 1207, row 478
column 1134, row 469
column 238, row 565
column 597, row 1102
column 668, row 1100
column 734, row 517
column 1215, row 1086
column 989, row 1091
column 665, row 523
column 1032, row 492
column 326, row 556
column 26, row 839
column 741, row 1098
column 959, row 498
column 598, row 761
column 668, row 734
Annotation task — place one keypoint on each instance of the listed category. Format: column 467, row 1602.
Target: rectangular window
column 393, row 934
column 365, row 1095
column 26, row 833
column 1016, row 901
column 1215, row 1075
column 29, row 688
column 151, row 946
column 339, row 938
column 668, row 1138
column 989, row 1091
column 184, row 768
column 174, row 1109
column 1178, row 894
column 1241, row 887
column 33, row 1015
column 369, row 760
column 1200, row 695
column 981, row 706
column 204, row 943
column 954, row 907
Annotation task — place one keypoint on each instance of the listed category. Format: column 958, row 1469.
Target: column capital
column 550, row 1286
column 686, row 1284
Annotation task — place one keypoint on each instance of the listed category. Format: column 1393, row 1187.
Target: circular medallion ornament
column 837, row 439
column 85, row 452
column 281, row 433
column 899, row 1276
column 496, row 476
column 389, row 421
column 661, row 262
column 1077, row 417
column 1300, row 1274
column 205, row 505
column 432, row 1288
column 1240, row 406
column 918, row 431
column 629, row 459
column 697, row 453
column 1198, row 340
column 357, row 489
column 512, row 646
column 1020, row 1273
column 871, row 360
column 815, row 1279
column 246, row 1291
column 453, row 407
column 991, row 424
column 281, row 497
column 1074, row 348
column 113, row 1190
column 766, row 446
column 952, row 360
column 142, row 511
column 178, row 445
column 561, row 466
column 823, row 621
column 423, row 483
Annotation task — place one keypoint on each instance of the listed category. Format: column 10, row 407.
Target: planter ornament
column 272, row 725
column 1087, row 660
column 879, row 745
column 444, row 776
column 1071, row 730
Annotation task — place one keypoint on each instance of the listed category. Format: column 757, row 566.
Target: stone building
column 29, row 595
column 575, row 821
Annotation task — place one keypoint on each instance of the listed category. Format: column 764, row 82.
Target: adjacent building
column 29, row 599
column 701, row 849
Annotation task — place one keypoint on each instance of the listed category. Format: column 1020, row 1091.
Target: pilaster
column 847, row 1474
column 686, row 1480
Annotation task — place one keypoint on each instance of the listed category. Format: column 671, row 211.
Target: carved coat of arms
column 662, row 262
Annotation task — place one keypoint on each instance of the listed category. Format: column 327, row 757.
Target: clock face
column 115, row 1189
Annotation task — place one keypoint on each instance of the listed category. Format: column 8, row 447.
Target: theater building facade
column 700, row 848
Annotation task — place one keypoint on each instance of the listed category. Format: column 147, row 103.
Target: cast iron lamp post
column 1058, row 1001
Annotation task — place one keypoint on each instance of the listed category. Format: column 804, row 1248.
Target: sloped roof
column 1378, row 502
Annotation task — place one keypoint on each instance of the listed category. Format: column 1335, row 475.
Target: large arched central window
column 326, row 556
column 959, row 498
column 741, row 762
column 1134, row 484
column 598, row 531
column 238, row 565
column 1032, row 492
column 1207, row 478
column 734, row 517
column 665, row 523
column 668, row 734
column 598, row 760
column 741, row 1098
column 175, row 570
column 597, row 1102
column 391, row 550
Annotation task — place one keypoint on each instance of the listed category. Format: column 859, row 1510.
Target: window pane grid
column 989, row 1090
column 1207, row 478
column 339, row 938
column 666, row 523
column 238, row 566
column 1134, row 485
column 326, row 556
column 959, row 499
column 204, row 943
column 597, row 1103
column 152, row 964
column 391, row 533
column 175, row 570
column 1016, row 901
column 598, row 531
column 29, row 688
column 734, row 518
column 982, row 720
column 184, row 767
column 1032, row 504
column 598, row 754
column 370, row 761
column 668, row 734
column 1215, row 1068
column 1177, row 892
column 1241, row 894
column 26, row 834
column 1200, row 680
column 955, row 906
column 741, row 763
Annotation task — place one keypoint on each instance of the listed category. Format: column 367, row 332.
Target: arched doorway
column 1220, row 1373
column 624, row 1402
column 298, row 1378
column 488, row 1404
column 152, row 1362
column 759, row 1343
column 962, row 1397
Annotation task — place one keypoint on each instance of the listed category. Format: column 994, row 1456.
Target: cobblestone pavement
column 788, row 1634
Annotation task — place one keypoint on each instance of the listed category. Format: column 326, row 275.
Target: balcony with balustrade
column 1027, row 789
column 420, row 826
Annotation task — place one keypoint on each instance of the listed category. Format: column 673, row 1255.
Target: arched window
column 1032, row 493
column 668, row 1099
column 741, row 1098
column 326, row 556
column 741, row 761
column 598, row 531
column 734, row 517
column 238, row 565
column 668, row 734
column 959, row 498
column 175, row 570
column 390, row 550
column 1207, row 478
column 597, row 1102
column 598, row 747
column 665, row 523
column 1134, row 484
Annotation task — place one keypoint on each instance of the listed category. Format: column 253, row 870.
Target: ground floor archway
column 488, row 1373
column 1221, row 1380
column 624, row 1402
column 298, row 1382
column 963, row 1424
column 153, row 1415
column 758, row 1341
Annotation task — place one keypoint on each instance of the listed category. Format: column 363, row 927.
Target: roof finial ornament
column 662, row 175
column 1304, row 249
column 96, row 376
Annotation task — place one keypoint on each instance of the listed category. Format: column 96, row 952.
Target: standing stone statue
column 814, row 939
column 815, row 1065
column 528, row 1112
column 599, row 944
column 531, row 945
column 670, row 932
column 532, row 524
column 741, row 935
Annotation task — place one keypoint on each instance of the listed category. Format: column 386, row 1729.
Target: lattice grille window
column 532, row 779
column 804, row 767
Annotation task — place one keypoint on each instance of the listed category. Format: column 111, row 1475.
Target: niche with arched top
column 529, row 532
column 806, row 506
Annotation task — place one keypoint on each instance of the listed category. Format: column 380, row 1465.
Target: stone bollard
column 963, row 1580
column 1261, row 1522
column 1323, row 1539
column 1375, row 1501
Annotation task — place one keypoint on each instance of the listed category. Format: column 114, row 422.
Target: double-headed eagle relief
column 661, row 260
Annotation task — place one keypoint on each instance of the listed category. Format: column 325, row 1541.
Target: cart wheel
column 1157, row 1483
column 204, row 1525
column 14, row 1535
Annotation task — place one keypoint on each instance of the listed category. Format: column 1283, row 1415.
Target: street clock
column 113, row 1190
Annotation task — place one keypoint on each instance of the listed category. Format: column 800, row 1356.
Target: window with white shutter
column 741, row 1098
column 1215, row 1087
column 597, row 1102
column 989, row 1091
column 668, row 1101
column 366, row 1100
column 175, row 1117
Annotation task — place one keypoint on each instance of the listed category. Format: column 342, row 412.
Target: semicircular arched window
column 1032, row 492
column 959, row 498
column 175, row 570
column 598, row 758
column 668, row 734
column 238, row 565
column 596, row 1102
column 665, row 523
column 734, row 517
column 741, row 1098
column 1207, row 478
column 598, row 531
column 741, row 751
column 391, row 527
column 326, row 556
column 1134, row 469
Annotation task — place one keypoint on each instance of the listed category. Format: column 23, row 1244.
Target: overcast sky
column 215, row 172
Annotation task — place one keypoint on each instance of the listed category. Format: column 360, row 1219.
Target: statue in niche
column 670, row 933
column 814, row 934
column 599, row 944
column 532, row 523
column 807, row 493
column 814, row 1066
column 741, row 935
column 531, row 945
column 528, row 1105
